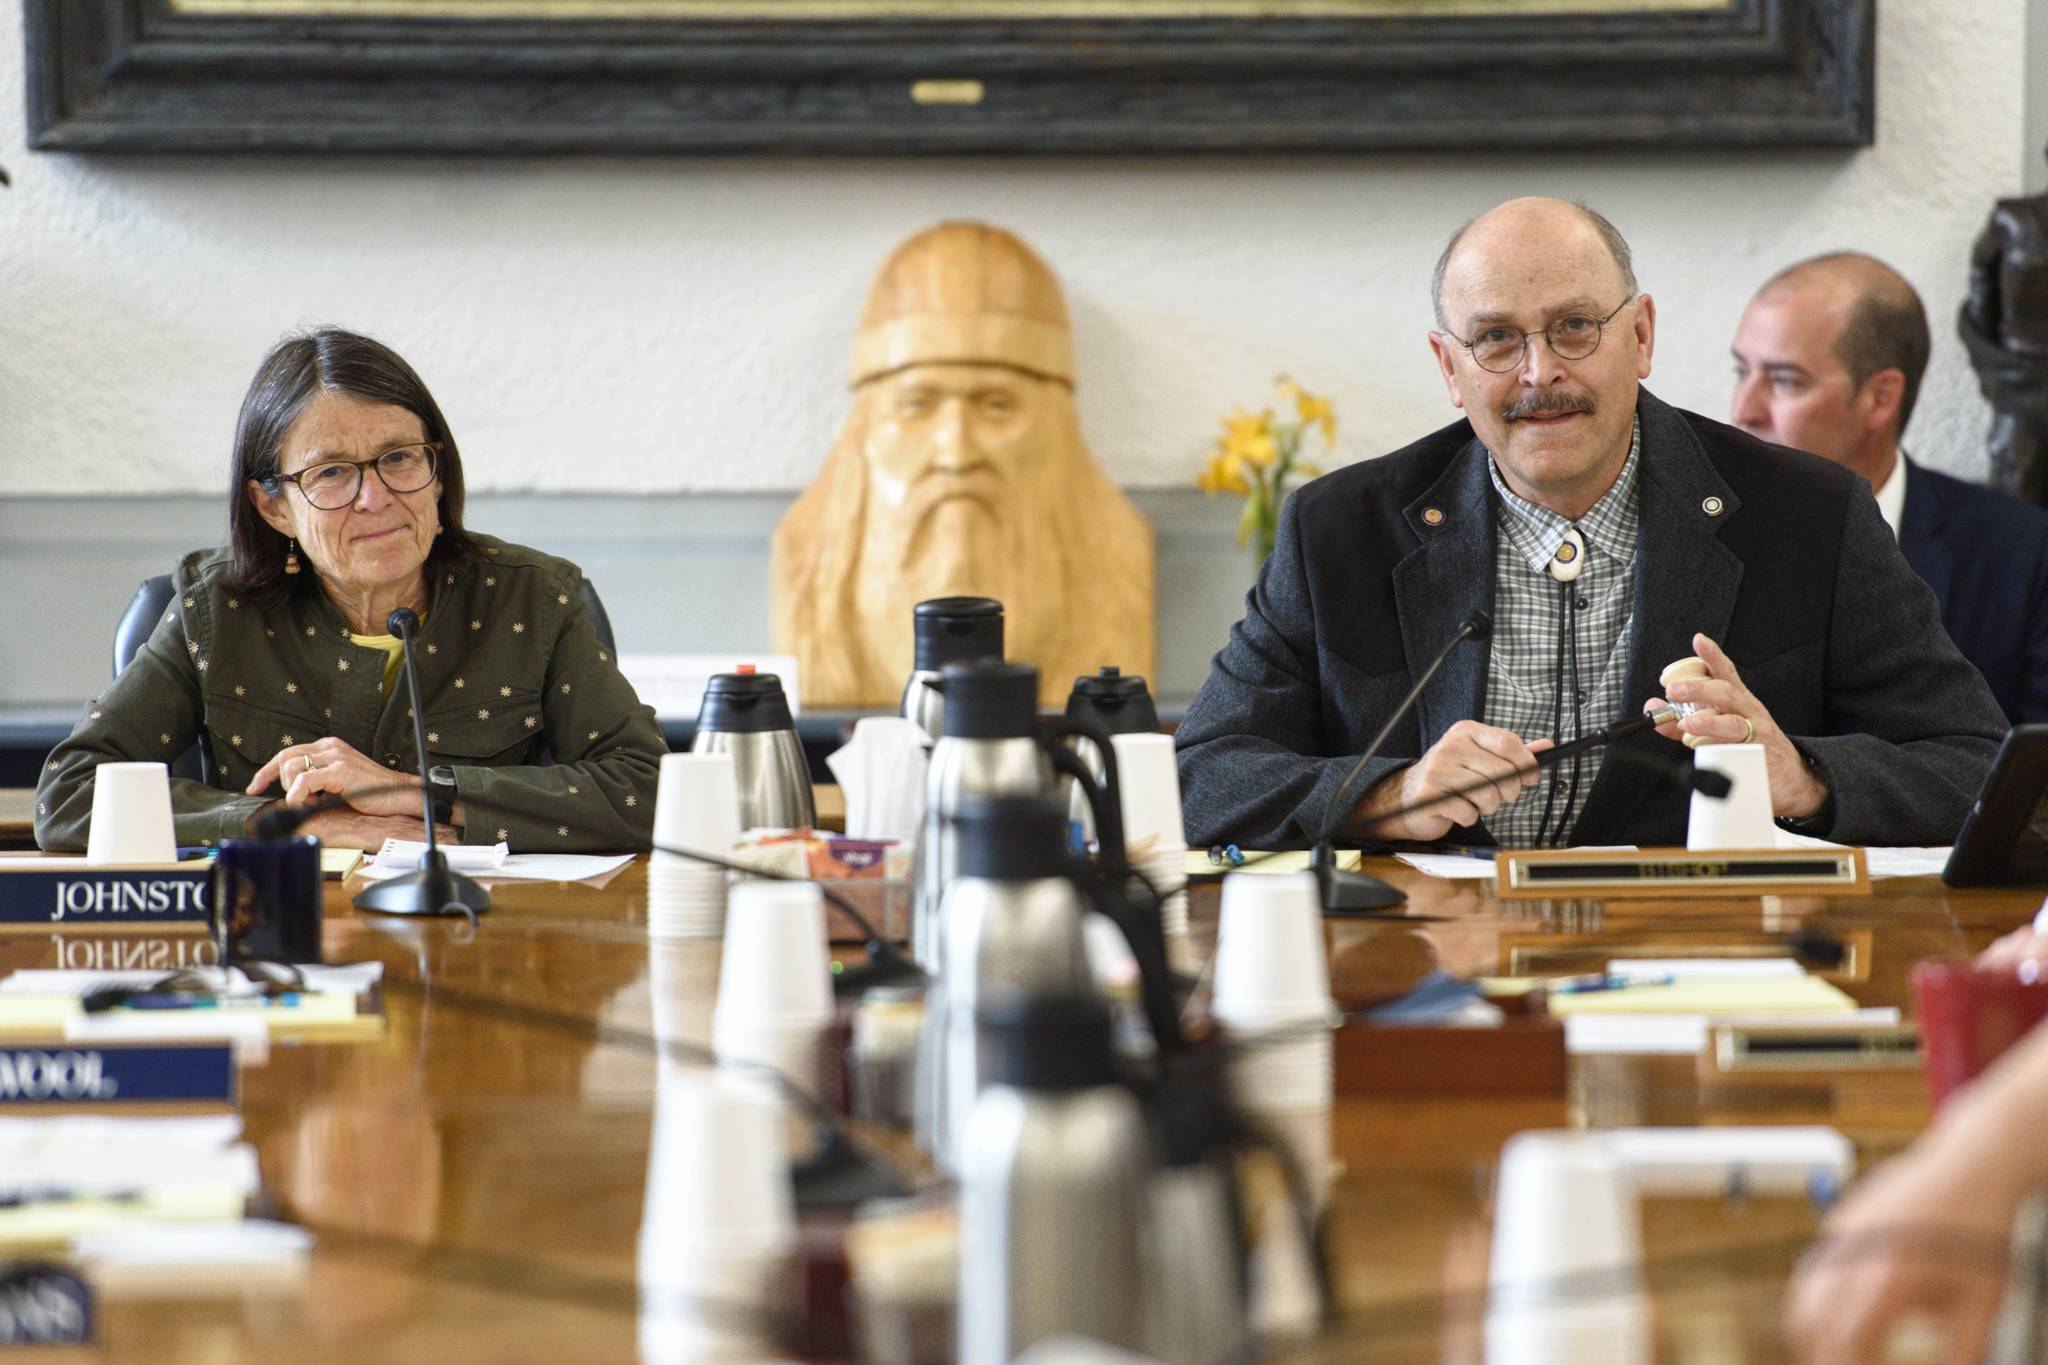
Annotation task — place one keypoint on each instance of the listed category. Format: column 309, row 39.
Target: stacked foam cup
column 696, row 806
column 775, row 984
column 718, row 1233
column 1155, row 841
column 1271, row 996
column 131, row 815
column 1566, row 1283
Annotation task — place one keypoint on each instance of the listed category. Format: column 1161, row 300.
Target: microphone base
column 1349, row 893
column 433, row 891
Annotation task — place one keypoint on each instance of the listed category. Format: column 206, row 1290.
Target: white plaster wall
column 683, row 325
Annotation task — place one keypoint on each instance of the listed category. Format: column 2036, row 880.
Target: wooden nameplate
column 1539, row 874
column 1801, row 1051
column 1523, row 1054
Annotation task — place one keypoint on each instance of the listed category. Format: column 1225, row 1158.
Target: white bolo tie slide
column 1570, row 557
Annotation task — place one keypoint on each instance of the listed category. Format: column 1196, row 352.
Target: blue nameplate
column 70, row 1075
column 43, row 1305
column 117, row 897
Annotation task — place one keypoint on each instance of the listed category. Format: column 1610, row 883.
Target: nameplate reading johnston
column 1653, row 872
column 111, row 897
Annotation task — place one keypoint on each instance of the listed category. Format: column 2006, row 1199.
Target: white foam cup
column 1148, row 783
column 776, row 967
column 1271, row 966
column 1166, row 871
column 1566, row 1233
column 1282, row 1069
column 697, row 804
column 685, row 899
column 1742, row 819
column 131, row 815
column 682, row 983
column 793, row 1050
column 720, row 1214
column 717, row 1171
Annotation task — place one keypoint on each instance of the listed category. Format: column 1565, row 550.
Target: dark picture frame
column 150, row 76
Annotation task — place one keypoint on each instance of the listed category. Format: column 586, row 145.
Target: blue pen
column 187, row 853
column 1585, row 985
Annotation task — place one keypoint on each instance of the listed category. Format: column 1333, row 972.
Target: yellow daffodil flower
column 1245, row 426
column 1312, row 411
column 1259, row 449
column 1224, row 473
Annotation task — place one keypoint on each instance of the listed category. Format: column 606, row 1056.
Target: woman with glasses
column 344, row 504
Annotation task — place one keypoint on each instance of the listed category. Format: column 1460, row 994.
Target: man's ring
column 1749, row 738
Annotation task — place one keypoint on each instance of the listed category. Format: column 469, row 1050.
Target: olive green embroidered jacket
column 552, row 752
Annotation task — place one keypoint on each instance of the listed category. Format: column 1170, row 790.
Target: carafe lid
column 1115, row 701
column 744, row 703
column 953, row 630
column 1047, row 1042
column 1012, row 838
column 989, row 700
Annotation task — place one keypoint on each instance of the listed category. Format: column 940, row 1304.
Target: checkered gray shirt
column 1528, row 613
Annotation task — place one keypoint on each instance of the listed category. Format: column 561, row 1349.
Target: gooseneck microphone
column 435, row 889
column 1349, row 892
column 1674, row 771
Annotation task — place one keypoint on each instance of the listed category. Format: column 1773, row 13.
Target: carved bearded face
column 965, row 467
column 954, row 456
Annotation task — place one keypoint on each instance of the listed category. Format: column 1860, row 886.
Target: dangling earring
column 291, row 557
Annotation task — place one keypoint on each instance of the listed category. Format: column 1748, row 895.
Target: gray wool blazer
column 1781, row 557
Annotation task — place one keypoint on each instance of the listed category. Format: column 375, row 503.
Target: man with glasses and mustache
column 1609, row 535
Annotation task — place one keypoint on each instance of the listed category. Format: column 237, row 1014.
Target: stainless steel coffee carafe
column 1053, row 1186
column 745, row 714
column 989, row 747
column 1013, row 920
column 1116, row 703
column 949, row 630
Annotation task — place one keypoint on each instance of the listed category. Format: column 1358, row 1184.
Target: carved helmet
column 964, row 294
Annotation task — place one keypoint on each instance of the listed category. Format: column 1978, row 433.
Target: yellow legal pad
column 336, row 863
column 1293, row 860
column 329, row 1015
column 53, row 1222
column 1776, row 995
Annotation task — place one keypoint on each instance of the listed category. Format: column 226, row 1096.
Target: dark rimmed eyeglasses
column 1498, row 350
column 333, row 484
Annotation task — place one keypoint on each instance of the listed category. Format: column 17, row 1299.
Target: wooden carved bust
column 961, row 472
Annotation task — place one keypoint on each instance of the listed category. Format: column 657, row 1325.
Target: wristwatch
column 441, row 786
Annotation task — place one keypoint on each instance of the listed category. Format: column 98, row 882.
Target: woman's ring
column 310, row 764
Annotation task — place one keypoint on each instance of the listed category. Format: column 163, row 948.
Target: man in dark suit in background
column 1828, row 359
column 1609, row 534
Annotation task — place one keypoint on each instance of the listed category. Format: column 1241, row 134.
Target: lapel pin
column 1432, row 516
column 1712, row 506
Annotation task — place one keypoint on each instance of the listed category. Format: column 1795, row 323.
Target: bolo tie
column 1565, row 567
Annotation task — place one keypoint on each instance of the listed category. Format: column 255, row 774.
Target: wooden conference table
column 475, row 1178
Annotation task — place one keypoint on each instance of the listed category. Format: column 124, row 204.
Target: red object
column 1968, row 1018
column 744, row 670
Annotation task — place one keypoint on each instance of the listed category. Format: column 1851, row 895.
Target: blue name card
column 43, row 1305
column 127, row 898
column 52, row 1075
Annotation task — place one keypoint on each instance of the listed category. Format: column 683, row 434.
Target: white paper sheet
column 526, row 867
column 1704, row 968
column 403, row 855
column 1903, row 861
column 354, row 978
column 88, row 1153
column 1457, row 866
column 1656, row 1034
